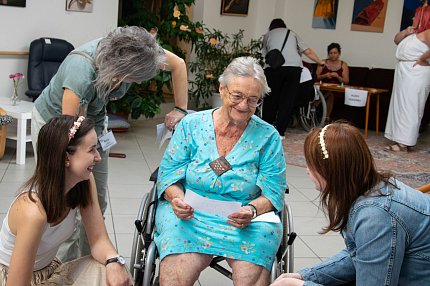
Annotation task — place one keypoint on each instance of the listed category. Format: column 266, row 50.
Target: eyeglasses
column 236, row 98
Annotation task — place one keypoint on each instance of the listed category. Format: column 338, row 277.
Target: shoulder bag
column 274, row 58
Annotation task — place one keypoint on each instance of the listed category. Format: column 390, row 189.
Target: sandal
column 396, row 148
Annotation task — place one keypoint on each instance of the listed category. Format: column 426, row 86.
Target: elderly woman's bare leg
column 247, row 273
column 183, row 269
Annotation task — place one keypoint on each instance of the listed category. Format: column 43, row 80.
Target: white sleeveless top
column 52, row 237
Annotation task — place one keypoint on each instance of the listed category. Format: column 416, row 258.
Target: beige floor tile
column 324, row 245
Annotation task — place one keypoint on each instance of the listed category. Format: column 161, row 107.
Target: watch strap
column 118, row 259
column 254, row 210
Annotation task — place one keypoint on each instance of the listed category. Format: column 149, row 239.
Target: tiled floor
column 129, row 180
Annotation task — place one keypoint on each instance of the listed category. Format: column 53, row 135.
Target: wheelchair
column 144, row 255
column 313, row 113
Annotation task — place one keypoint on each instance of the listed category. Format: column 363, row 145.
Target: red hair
column 422, row 18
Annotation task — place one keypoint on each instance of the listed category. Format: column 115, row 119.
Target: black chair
column 46, row 56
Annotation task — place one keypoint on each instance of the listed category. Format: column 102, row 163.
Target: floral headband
column 322, row 143
column 75, row 127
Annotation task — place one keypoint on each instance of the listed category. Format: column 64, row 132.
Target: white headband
column 322, row 143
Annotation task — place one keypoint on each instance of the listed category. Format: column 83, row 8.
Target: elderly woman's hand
column 241, row 218
column 181, row 209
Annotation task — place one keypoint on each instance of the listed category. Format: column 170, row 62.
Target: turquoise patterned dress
column 258, row 167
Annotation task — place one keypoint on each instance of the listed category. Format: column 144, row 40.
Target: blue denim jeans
column 387, row 240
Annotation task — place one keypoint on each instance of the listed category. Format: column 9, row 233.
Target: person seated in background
column 385, row 224
column 43, row 215
column 225, row 154
column 307, row 91
column 334, row 71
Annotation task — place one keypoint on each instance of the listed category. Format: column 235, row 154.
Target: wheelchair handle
column 138, row 224
column 291, row 239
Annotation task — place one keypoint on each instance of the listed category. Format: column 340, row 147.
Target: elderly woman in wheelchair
column 224, row 154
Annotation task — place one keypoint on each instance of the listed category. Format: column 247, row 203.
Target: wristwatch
column 253, row 209
column 118, row 259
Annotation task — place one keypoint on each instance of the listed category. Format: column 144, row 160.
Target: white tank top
column 52, row 237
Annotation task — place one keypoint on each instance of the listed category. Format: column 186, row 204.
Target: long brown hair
column 349, row 170
column 48, row 180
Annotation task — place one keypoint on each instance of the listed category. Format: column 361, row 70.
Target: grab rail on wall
column 13, row 53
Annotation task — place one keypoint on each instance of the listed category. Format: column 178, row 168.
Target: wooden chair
column 4, row 121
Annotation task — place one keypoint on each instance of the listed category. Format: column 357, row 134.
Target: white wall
column 358, row 48
column 47, row 18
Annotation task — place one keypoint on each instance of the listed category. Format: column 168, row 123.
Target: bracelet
column 181, row 110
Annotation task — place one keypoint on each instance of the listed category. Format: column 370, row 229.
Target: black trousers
column 278, row 106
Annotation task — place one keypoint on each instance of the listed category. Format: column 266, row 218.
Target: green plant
column 142, row 99
column 214, row 51
column 173, row 24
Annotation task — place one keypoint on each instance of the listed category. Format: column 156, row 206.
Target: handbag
column 274, row 58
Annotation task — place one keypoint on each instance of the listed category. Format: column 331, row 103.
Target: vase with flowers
column 16, row 78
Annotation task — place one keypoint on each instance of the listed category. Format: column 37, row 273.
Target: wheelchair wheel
column 314, row 114
column 137, row 250
column 137, row 258
column 287, row 240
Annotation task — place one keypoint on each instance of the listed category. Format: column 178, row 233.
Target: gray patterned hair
column 245, row 67
column 126, row 53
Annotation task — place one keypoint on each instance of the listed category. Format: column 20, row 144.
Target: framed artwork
column 17, row 3
column 369, row 15
column 234, row 7
column 79, row 5
column 325, row 14
column 408, row 12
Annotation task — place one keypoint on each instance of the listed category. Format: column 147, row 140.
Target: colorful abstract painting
column 369, row 15
column 325, row 14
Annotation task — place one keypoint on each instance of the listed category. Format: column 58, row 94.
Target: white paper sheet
column 268, row 217
column 355, row 97
column 222, row 208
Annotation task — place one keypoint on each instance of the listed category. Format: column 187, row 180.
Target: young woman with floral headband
column 43, row 215
column 385, row 224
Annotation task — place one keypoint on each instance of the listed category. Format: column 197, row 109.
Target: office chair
column 46, row 56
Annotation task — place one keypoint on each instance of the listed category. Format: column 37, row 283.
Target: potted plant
column 213, row 52
column 142, row 99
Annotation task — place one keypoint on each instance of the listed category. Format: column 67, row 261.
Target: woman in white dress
column 411, row 83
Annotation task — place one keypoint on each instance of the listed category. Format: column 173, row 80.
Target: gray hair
column 126, row 52
column 245, row 67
